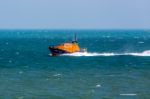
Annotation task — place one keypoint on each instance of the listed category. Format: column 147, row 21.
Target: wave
column 132, row 94
column 144, row 53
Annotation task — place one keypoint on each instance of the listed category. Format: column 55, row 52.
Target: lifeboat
column 65, row 48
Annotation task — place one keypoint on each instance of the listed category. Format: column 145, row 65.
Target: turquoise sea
column 116, row 66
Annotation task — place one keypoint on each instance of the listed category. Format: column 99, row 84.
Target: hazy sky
column 74, row 14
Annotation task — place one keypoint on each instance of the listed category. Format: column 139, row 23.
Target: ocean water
column 116, row 66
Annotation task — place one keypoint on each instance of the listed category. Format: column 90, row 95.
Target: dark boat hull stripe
column 56, row 52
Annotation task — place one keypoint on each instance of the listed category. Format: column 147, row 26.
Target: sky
column 74, row 14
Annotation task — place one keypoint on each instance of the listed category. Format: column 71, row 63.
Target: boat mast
column 75, row 39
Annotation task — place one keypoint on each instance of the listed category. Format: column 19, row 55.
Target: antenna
column 75, row 38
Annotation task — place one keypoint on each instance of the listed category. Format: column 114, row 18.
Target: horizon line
column 74, row 28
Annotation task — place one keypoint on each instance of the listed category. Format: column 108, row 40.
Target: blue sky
column 74, row 14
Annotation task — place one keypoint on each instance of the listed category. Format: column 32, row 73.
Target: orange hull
column 64, row 48
column 68, row 47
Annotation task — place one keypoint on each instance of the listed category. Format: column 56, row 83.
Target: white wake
column 144, row 53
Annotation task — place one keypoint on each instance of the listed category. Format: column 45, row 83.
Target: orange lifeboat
column 71, row 47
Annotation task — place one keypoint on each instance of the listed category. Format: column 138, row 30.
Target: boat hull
column 56, row 51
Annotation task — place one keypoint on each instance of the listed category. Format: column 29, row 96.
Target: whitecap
column 98, row 85
column 144, row 53
column 56, row 75
column 129, row 94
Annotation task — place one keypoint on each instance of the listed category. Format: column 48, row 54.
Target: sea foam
column 128, row 94
column 144, row 53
